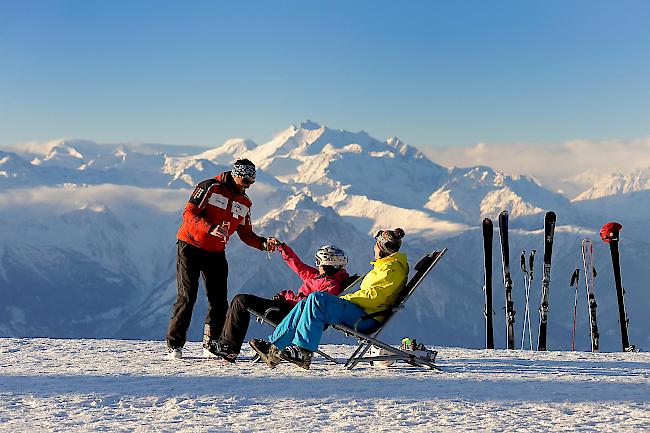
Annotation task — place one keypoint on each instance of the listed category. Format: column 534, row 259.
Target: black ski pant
column 191, row 262
column 238, row 317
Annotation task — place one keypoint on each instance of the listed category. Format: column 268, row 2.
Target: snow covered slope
column 113, row 385
column 87, row 246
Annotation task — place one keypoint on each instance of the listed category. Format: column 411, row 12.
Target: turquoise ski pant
column 305, row 323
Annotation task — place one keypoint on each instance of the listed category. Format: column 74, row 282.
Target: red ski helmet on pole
column 610, row 231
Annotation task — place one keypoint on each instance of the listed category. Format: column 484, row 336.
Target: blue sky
column 433, row 73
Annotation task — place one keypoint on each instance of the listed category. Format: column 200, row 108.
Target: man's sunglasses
column 248, row 181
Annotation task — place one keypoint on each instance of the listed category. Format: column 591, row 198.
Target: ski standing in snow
column 590, row 283
column 488, row 232
column 507, row 281
column 549, row 233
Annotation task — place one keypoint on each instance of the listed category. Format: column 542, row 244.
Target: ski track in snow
column 131, row 386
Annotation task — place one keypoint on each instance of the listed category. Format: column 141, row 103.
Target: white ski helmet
column 330, row 255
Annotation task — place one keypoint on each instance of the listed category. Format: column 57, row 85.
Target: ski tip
column 551, row 215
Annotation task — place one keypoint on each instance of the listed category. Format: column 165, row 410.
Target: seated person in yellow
column 298, row 335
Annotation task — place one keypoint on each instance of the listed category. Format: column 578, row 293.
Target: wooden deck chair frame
column 264, row 317
column 367, row 340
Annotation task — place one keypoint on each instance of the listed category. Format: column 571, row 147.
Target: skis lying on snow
column 590, row 283
column 610, row 235
column 487, row 265
column 507, row 281
column 549, row 232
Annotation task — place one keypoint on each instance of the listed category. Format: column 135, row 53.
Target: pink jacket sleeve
column 327, row 285
column 304, row 271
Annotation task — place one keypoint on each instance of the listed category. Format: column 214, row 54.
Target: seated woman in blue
column 298, row 335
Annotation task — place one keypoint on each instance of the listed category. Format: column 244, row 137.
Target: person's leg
column 215, row 277
column 323, row 309
column 284, row 333
column 238, row 317
column 187, row 281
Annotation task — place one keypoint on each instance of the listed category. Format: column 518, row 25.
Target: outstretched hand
column 271, row 244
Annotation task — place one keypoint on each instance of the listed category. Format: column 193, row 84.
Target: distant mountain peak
column 228, row 152
column 310, row 125
column 616, row 183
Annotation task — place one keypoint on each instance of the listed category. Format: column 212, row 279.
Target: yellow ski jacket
column 382, row 284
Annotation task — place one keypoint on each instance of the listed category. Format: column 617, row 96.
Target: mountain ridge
column 115, row 214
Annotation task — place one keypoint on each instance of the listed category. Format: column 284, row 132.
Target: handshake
column 271, row 244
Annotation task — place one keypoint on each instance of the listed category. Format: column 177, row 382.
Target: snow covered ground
column 118, row 385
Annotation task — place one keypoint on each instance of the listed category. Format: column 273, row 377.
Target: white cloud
column 64, row 199
column 553, row 164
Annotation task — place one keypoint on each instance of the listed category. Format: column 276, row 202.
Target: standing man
column 217, row 209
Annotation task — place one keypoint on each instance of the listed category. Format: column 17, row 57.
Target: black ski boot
column 266, row 351
column 297, row 355
column 220, row 350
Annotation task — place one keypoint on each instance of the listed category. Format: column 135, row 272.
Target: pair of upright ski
column 507, row 280
column 549, row 230
column 528, row 281
column 590, row 283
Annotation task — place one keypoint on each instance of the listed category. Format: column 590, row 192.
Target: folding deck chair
column 371, row 339
column 260, row 317
column 422, row 268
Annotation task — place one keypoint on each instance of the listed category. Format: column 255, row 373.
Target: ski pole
column 531, row 266
column 523, row 268
column 574, row 281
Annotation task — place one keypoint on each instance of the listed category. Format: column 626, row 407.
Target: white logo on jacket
column 198, row 192
column 218, row 200
column 239, row 210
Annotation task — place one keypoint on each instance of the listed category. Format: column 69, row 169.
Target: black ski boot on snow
column 220, row 350
column 296, row 355
column 266, row 351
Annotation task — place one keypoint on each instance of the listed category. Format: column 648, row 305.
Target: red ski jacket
column 313, row 280
column 217, row 203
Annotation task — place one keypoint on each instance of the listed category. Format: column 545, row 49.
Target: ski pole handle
column 575, row 277
column 531, row 262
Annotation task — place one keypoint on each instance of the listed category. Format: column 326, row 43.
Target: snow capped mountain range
column 617, row 183
column 87, row 248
